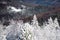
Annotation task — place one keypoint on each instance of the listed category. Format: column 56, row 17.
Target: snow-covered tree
column 35, row 22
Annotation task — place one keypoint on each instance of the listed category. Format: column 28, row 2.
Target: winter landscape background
column 29, row 19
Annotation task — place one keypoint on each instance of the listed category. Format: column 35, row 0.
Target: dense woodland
column 30, row 10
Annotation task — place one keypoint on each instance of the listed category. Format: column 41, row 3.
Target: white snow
column 26, row 31
column 13, row 9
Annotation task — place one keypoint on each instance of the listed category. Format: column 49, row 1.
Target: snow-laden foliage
column 17, row 30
